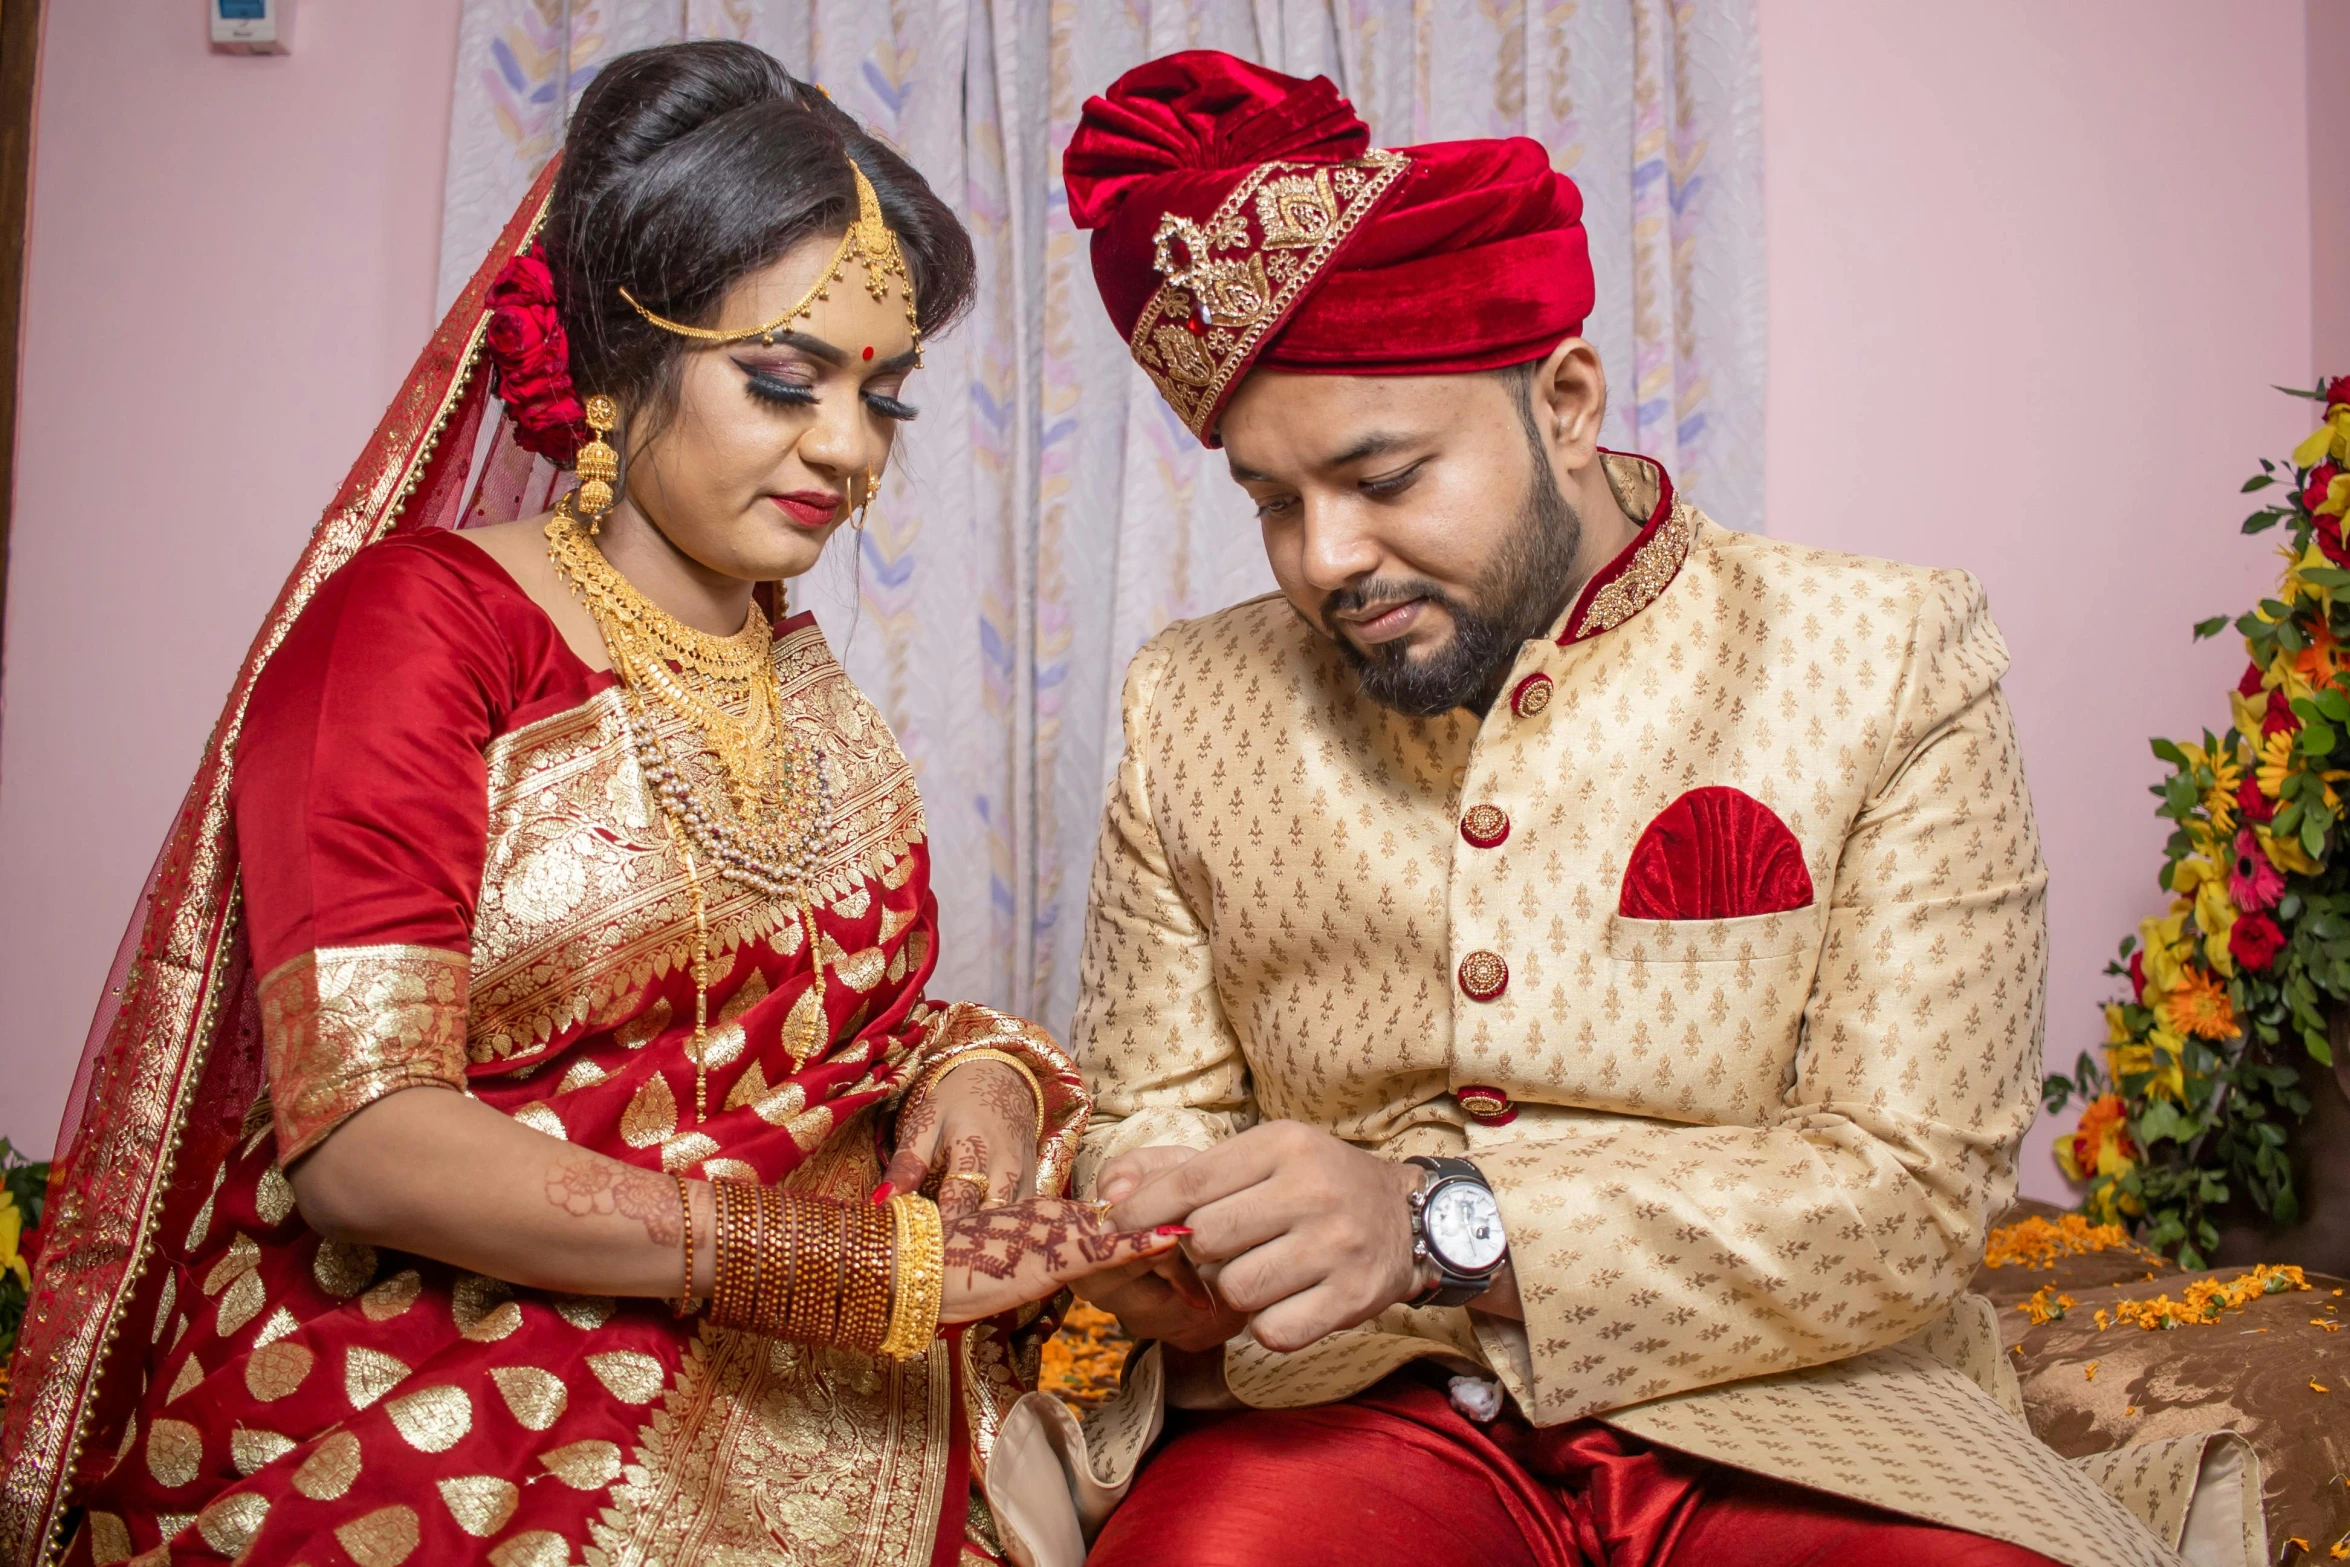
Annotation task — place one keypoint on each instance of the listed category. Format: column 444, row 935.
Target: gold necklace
column 766, row 825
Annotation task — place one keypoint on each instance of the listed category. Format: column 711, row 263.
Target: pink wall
column 2032, row 270
column 231, row 267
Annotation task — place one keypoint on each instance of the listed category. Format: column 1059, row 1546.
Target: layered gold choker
column 766, row 825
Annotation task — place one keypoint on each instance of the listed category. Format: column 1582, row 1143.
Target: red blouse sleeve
column 361, row 809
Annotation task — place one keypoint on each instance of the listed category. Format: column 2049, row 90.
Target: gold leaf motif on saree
column 191, row 1373
column 393, row 1296
column 629, row 1375
column 175, row 1453
column 281, row 1322
column 110, row 1538
column 240, row 1303
column 276, row 1370
column 533, row 1548
column 330, row 1469
column 384, row 1538
column 273, row 1197
column 535, row 1397
column 480, row 1504
column 432, row 1419
column 368, row 1374
column 635, row 1033
column 727, row 1038
column 584, row 1466
column 682, row 1153
column 651, row 1116
column 163, row 1305
column 483, row 1307
column 584, row 1311
column 170, row 1525
column 728, row 1170
column 540, row 1116
column 343, row 1268
column 806, row 1030
column 229, row 1524
column 583, row 1074
column 243, row 1256
column 254, row 1449
column 811, row 1129
column 855, row 905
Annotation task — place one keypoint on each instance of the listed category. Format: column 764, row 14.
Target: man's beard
column 1516, row 599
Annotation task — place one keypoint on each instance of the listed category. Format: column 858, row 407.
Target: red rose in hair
column 526, row 342
column 2280, row 716
column 2338, row 390
column 2254, row 941
column 2255, row 805
column 2250, row 684
column 2329, row 540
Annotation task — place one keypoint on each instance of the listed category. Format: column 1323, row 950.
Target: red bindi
column 868, row 350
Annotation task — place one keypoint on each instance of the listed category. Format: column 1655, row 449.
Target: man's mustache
column 1360, row 596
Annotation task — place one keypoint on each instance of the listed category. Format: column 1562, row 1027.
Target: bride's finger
column 1114, row 1248
column 965, row 1187
column 917, row 1152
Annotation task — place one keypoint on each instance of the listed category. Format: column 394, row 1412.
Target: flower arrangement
column 23, row 1184
column 2192, row 1103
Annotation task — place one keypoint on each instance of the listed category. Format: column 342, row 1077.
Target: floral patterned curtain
column 1048, row 514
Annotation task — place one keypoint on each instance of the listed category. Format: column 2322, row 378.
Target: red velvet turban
column 1241, row 217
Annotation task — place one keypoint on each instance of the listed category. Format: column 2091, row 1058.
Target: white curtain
column 1048, row 513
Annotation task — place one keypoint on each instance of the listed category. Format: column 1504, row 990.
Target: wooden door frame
column 20, row 65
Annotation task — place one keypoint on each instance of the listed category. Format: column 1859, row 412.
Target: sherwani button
column 1485, row 826
column 1487, row 1106
column 1530, row 696
column 1484, row 975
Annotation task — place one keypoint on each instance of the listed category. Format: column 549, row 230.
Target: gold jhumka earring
column 598, row 464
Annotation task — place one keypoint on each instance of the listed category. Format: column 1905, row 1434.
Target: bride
column 479, row 1154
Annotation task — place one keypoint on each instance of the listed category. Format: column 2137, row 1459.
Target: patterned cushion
column 2258, row 1370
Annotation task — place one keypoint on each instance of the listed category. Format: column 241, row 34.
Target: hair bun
column 1205, row 111
column 648, row 100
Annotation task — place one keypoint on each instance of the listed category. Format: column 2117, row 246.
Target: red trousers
column 1397, row 1476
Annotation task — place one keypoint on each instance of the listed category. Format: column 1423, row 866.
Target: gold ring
column 977, row 1180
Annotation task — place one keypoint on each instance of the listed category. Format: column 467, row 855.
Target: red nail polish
column 1172, row 1229
column 883, row 1193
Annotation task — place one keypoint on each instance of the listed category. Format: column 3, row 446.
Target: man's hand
column 1162, row 1297
column 1301, row 1232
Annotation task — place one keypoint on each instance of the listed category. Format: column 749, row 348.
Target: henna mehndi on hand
column 587, row 1188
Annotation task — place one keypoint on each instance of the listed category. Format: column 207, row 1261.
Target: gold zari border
column 344, row 1026
column 1303, row 213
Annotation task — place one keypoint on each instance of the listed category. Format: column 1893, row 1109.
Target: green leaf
column 2317, row 396
column 2210, row 628
column 2164, row 751
column 2334, row 704
column 2326, row 576
column 2320, row 1049
column 2317, row 738
column 2288, row 817
column 2313, row 835
column 2259, row 481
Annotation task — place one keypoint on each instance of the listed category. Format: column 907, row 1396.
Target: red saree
column 420, row 852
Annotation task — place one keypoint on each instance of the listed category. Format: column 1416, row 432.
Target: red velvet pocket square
column 1715, row 854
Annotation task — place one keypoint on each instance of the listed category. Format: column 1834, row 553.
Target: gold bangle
column 736, row 1266
column 920, row 1276
column 929, row 1081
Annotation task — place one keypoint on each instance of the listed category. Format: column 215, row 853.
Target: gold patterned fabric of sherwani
column 1745, row 1164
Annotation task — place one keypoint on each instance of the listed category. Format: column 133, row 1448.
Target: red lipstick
column 809, row 508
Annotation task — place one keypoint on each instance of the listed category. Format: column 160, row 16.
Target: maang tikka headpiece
column 870, row 239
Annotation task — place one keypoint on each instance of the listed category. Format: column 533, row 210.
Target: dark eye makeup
column 769, row 387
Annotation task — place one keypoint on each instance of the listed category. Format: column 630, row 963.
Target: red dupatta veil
column 174, row 1055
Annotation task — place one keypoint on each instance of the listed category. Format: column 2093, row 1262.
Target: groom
column 1670, row 895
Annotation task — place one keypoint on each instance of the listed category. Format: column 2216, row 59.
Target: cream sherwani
column 1751, row 1160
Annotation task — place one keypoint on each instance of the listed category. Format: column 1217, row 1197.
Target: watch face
column 1464, row 1227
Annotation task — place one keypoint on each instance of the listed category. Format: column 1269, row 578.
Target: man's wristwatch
column 1456, row 1225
